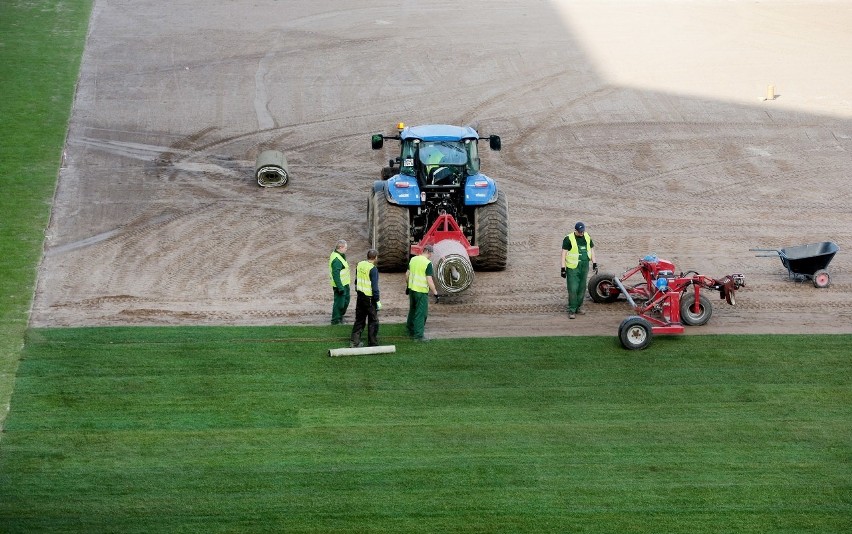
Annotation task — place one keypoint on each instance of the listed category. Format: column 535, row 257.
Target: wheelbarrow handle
column 776, row 252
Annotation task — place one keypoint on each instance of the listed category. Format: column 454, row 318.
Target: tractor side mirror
column 390, row 163
column 378, row 141
column 494, row 142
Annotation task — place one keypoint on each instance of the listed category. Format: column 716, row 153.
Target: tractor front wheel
column 693, row 318
column 635, row 333
column 602, row 288
column 390, row 235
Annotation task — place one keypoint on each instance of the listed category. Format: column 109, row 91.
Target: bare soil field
column 646, row 120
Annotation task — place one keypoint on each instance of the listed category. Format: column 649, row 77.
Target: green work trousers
column 341, row 304
column 576, row 279
column 418, row 309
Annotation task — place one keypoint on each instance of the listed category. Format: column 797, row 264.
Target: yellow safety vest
column 572, row 259
column 344, row 273
column 362, row 277
column 417, row 274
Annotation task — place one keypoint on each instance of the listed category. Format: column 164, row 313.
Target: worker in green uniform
column 338, row 273
column 420, row 283
column 367, row 303
column 578, row 250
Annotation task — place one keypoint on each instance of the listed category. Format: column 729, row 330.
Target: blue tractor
column 434, row 190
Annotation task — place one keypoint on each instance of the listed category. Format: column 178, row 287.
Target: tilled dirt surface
column 643, row 119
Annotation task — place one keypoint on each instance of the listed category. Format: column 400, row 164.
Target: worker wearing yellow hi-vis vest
column 419, row 276
column 578, row 250
column 367, row 303
column 338, row 273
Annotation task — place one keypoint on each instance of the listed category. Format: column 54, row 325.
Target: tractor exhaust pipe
column 453, row 272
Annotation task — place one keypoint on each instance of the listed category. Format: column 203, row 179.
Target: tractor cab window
column 407, row 158
column 443, row 162
column 432, row 154
column 472, row 156
column 443, row 153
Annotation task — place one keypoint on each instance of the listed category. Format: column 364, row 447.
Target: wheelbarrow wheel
column 690, row 317
column 635, row 333
column 821, row 279
column 602, row 289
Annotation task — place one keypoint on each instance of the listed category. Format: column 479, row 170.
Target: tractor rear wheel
column 635, row 333
column 390, row 235
column 691, row 318
column 370, row 216
column 491, row 231
column 602, row 289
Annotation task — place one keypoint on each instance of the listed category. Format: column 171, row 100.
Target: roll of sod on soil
column 270, row 168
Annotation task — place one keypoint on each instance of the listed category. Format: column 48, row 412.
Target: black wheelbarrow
column 805, row 262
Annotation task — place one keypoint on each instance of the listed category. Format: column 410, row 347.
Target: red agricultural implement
column 453, row 271
column 676, row 301
column 663, row 302
column 603, row 289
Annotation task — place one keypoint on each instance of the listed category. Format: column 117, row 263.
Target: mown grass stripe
column 562, row 434
column 41, row 43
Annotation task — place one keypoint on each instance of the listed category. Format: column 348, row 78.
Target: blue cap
column 580, row 227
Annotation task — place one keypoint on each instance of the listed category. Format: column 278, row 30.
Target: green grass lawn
column 41, row 42
column 256, row 429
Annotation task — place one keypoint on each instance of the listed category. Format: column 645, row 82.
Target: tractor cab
column 443, row 163
column 438, row 156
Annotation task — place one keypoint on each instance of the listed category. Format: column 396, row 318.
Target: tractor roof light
column 400, row 126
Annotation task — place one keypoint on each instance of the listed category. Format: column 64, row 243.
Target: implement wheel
column 691, row 318
column 635, row 333
column 602, row 289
